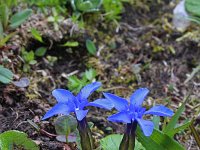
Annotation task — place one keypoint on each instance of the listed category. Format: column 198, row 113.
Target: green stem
column 128, row 141
column 85, row 135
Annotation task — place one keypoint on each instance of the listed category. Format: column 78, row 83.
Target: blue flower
column 134, row 111
column 68, row 103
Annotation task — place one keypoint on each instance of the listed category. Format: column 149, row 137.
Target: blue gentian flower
column 68, row 103
column 134, row 111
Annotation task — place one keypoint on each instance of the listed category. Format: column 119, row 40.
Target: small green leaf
column 20, row 17
column 195, row 133
column 75, row 84
column 138, row 145
column 1, row 30
column 32, row 62
column 192, row 6
column 65, row 125
column 90, row 74
column 173, row 121
column 167, row 142
column 26, row 67
column 91, row 47
column 6, row 38
column 36, row 35
column 182, row 127
column 112, row 142
column 147, row 142
column 6, row 75
column 156, row 121
column 4, row 15
column 12, row 139
column 28, row 56
column 71, row 44
column 51, row 19
column 158, row 141
column 86, row 6
column 90, row 124
column 40, row 51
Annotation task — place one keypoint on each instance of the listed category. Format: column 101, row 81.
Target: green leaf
column 1, row 30
column 90, row 74
column 195, row 133
column 112, row 142
column 173, row 121
column 112, row 9
column 26, row 67
column 138, row 145
column 20, row 17
column 12, row 139
column 158, row 141
column 75, row 84
column 51, row 19
column 71, row 44
column 192, row 6
column 91, row 47
column 96, row 3
column 36, row 35
column 147, row 142
column 6, row 38
column 28, row 56
column 4, row 15
column 182, row 127
column 40, row 51
column 167, row 142
column 6, row 75
column 156, row 121
column 65, row 125
column 86, row 6
column 32, row 62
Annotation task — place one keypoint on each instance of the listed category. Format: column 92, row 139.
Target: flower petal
column 138, row 96
column 80, row 114
column 146, row 126
column 120, row 117
column 59, row 108
column 102, row 103
column 87, row 90
column 160, row 111
column 119, row 103
column 62, row 95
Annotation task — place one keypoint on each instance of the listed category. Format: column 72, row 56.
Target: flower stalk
column 85, row 135
column 128, row 141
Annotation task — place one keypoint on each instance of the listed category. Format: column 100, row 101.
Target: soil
column 141, row 51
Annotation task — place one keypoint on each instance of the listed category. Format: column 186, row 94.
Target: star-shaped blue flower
column 134, row 111
column 68, row 103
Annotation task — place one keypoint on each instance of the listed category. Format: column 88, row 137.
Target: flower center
column 136, row 112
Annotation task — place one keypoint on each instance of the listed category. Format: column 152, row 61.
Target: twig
column 47, row 133
column 113, row 88
column 195, row 70
column 197, row 106
column 195, row 133
column 64, row 75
